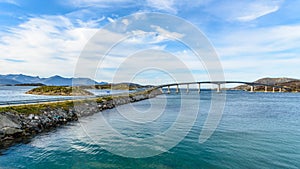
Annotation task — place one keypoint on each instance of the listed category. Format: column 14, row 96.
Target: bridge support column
column 273, row 89
column 177, row 89
column 187, row 88
column 199, row 87
column 251, row 88
column 266, row 88
column 219, row 88
column 168, row 90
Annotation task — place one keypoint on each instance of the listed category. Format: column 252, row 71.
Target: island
column 116, row 86
column 59, row 91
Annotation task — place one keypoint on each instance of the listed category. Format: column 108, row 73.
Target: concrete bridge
column 219, row 83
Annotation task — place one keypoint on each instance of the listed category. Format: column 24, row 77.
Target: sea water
column 257, row 130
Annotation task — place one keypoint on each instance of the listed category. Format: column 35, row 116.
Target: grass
column 59, row 91
column 65, row 105
column 37, row 108
column 112, row 87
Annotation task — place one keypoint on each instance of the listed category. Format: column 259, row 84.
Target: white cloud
column 270, row 51
column 111, row 20
column 169, row 6
column 258, row 41
column 174, row 6
column 155, row 36
column 127, row 68
column 166, row 33
column 99, row 3
column 48, row 45
column 90, row 23
column 125, row 22
column 165, row 5
column 243, row 11
column 257, row 12
column 9, row 1
column 82, row 3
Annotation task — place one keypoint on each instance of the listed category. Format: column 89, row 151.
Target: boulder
column 6, row 121
column 10, row 131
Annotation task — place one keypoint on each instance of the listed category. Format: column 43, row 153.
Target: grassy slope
column 59, row 91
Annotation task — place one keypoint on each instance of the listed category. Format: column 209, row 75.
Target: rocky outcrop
column 16, row 126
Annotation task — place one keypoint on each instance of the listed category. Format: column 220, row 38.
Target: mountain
column 57, row 81
column 85, row 81
column 12, row 79
column 21, row 78
column 8, row 82
column 61, row 81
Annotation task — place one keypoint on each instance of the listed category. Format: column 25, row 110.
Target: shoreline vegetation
column 118, row 86
column 59, row 91
column 20, row 123
column 80, row 90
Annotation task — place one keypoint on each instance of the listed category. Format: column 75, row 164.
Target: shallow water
column 257, row 130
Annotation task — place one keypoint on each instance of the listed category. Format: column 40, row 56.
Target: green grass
column 65, row 105
column 37, row 108
column 59, row 90
column 111, row 87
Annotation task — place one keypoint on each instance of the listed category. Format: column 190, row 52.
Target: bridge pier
column 251, row 88
column 219, row 88
column 187, row 88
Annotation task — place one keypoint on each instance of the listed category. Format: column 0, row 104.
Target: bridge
column 219, row 83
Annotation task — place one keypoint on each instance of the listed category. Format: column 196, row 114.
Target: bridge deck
column 222, row 82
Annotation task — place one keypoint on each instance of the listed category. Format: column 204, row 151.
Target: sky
column 252, row 39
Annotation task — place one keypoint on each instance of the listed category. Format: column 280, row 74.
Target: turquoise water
column 257, row 130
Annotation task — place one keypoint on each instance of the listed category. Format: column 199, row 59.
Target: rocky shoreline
column 19, row 126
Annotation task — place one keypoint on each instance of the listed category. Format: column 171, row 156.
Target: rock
column 31, row 116
column 2, row 134
column 18, row 126
column 7, row 122
column 10, row 131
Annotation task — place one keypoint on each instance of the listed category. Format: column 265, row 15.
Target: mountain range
column 17, row 79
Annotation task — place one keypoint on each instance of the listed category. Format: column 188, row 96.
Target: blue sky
column 253, row 38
